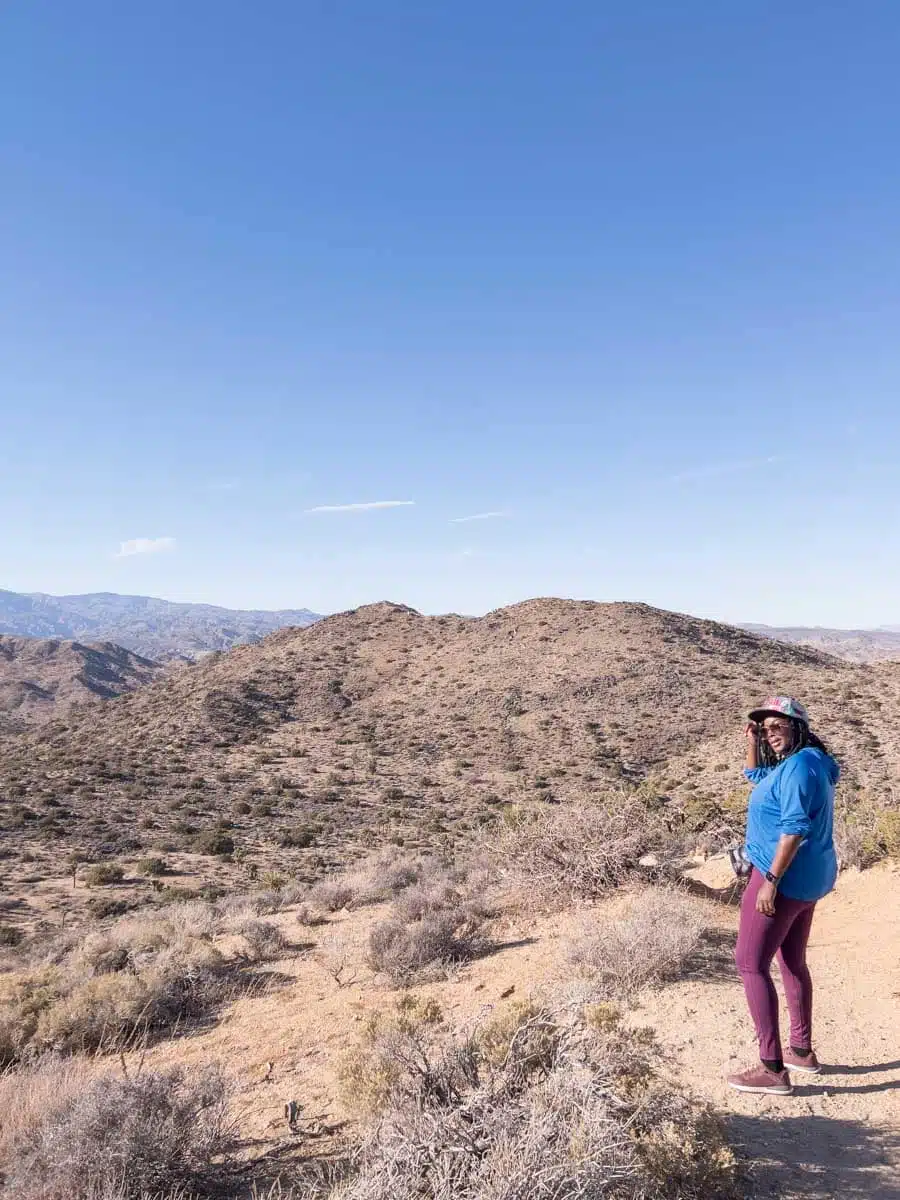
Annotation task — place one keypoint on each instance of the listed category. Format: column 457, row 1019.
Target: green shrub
column 106, row 906
column 299, row 837
column 887, row 833
column 214, row 841
column 152, row 866
column 100, row 874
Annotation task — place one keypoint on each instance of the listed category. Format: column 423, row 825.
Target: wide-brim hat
column 781, row 706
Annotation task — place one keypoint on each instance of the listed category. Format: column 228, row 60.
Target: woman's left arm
column 796, row 792
column 785, row 851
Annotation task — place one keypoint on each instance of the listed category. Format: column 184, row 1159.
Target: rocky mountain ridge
column 42, row 677
column 854, row 645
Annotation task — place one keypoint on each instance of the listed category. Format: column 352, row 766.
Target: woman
column 791, row 847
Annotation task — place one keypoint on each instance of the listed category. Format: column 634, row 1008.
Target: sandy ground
column 838, row 1135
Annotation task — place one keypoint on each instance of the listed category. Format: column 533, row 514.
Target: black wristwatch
column 770, row 878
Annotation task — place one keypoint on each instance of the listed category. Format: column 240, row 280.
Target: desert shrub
column 648, row 943
column 273, row 881
column 214, row 841
column 309, row 916
column 276, row 899
column 333, row 894
column 427, row 927
column 73, row 1138
column 570, row 852
column 374, row 1073
column 378, row 877
column 886, row 835
column 719, row 819
column 23, row 1000
column 866, row 827
column 389, row 872
column 853, row 840
column 544, row 1105
column 340, row 957
column 299, row 837
column 264, row 940
column 524, row 1034
column 140, row 974
column 100, row 874
column 152, row 866
column 107, row 906
column 105, row 1011
column 10, row 936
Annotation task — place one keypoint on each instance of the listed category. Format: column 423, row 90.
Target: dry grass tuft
column 579, row 851
column 379, row 877
column 431, row 924
column 538, row 1104
column 867, row 826
column 69, row 1137
column 648, row 943
column 138, row 974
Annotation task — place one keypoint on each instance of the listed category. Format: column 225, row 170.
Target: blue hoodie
column 795, row 797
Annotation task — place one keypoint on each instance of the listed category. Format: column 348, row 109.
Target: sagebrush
column 70, row 1137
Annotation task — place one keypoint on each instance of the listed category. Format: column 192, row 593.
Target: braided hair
column 803, row 737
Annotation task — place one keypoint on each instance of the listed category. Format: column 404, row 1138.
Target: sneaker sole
column 762, row 1091
column 804, row 1070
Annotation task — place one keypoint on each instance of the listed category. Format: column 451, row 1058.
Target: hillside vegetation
column 41, row 678
column 385, row 725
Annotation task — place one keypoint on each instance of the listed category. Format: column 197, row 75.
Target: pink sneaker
column 760, row 1079
column 809, row 1065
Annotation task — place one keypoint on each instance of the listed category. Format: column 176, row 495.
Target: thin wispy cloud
column 223, row 485
column 145, row 546
column 725, row 468
column 485, row 516
column 369, row 504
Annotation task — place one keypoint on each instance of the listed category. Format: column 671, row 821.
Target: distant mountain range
column 854, row 645
column 155, row 629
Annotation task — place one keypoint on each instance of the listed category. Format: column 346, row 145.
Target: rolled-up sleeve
column 797, row 792
column 757, row 774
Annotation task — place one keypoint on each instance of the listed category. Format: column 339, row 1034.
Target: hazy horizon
column 300, row 606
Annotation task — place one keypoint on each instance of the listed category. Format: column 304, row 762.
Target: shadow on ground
column 817, row 1158
column 713, row 961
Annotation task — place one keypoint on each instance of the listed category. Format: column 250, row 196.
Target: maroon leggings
column 760, row 938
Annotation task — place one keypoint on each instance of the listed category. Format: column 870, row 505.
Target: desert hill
column 163, row 915
column 383, row 724
column 40, row 677
column 156, row 629
column 855, row 645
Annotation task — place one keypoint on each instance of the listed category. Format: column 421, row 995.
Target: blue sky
column 624, row 275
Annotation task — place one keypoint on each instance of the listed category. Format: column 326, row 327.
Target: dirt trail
column 838, row 1135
